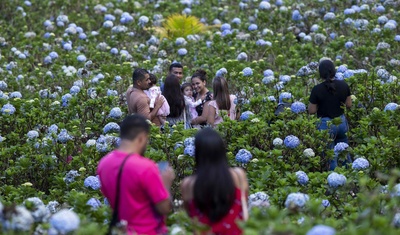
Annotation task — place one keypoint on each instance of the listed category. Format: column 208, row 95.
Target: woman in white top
column 221, row 101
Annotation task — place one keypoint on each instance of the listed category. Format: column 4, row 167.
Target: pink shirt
column 141, row 188
column 232, row 110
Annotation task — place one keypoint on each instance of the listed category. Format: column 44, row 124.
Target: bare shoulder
column 239, row 177
column 187, row 185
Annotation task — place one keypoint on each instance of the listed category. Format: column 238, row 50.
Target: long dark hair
column 327, row 71
column 221, row 93
column 214, row 189
column 172, row 92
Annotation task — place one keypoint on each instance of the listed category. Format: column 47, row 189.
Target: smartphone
column 163, row 165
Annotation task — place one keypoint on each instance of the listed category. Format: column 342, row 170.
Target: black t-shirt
column 330, row 105
column 199, row 108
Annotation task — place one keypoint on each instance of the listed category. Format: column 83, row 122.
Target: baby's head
column 153, row 79
column 187, row 89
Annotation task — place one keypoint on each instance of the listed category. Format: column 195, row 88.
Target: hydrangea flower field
column 65, row 67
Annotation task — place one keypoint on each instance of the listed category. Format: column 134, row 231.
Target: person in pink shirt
column 222, row 101
column 143, row 197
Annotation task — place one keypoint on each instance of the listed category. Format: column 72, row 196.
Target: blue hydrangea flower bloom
column 382, row 20
column 182, row 52
column 262, row 42
column 32, row 134
column 243, row 156
column 332, row 35
column 349, row 45
column 112, row 92
column 92, row 182
column 8, row 109
column 268, row 80
column 339, row 76
column 258, row 196
column 340, row 147
column 335, row 180
column 90, row 143
column 94, row 203
column 325, row 203
column 284, row 96
column 111, row 126
column 70, row 176
column 53, row 129
column 65, row 99
column 81, row 58
column 67, row 46
column 236, row 21
column 253, row 27
column 296, row 16
column 284, row 78
column 329, row 16
column 349, row 11
column 321, row 230
column 242, row 56
column 360, row 164
column 3, row 85
column 291, row 141
column 63, row 137
column 247, row 72
column 272, row 98
column 298, row 107
column 16, row 94
column 302, row 177
column 47, row 60
column 115, row 113
column 396, row 191
column 246, row 115
column 75, row 90
column 82, row 36
column 380, row 9
column 264, row 5
column 348, row 73
column 65, row 221
column 117, row 78
column 114, row 51
column 296, row 200
column 53, row 55
column 342, row 69
column 391, row 107
column 397, row 38
column 221, row 72
column 189, row 141
column 189, row 150
column 109, row 17
column 268, row 73
column 226, row 26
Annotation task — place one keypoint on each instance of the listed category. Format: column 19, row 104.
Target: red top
column 227, row 225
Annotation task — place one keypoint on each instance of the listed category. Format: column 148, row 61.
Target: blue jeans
column 338, row 134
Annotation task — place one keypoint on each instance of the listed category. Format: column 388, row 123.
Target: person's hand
column 159, row 102
column 168, row 176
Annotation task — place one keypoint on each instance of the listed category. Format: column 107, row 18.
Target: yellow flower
column 82, row 169
column 27, row 184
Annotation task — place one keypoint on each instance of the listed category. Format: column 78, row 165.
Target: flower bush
column 65, row 67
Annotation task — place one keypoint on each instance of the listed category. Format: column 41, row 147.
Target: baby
column 187, row 91
column 153, row 92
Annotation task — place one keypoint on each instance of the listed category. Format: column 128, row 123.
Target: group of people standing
column 191, row 103
column 215, row 195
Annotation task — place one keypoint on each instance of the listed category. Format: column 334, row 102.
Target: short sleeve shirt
column 140, row 189
column 330, row 104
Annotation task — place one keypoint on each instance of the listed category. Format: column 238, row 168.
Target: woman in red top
column 216, row 195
